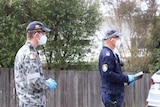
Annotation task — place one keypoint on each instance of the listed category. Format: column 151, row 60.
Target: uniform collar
column 31, row 46
column 108, row 48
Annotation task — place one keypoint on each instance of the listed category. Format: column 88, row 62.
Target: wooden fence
column 74, row 89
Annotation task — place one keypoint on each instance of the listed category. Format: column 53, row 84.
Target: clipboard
column 138, row 75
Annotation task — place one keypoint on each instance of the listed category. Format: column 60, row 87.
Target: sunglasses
column 36, row 31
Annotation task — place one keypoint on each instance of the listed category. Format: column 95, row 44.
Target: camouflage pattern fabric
column 29, row 78
column 21, row 104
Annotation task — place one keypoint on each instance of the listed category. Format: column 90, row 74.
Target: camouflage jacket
column 29, row 78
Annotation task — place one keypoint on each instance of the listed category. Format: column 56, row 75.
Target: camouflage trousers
column 21, row 104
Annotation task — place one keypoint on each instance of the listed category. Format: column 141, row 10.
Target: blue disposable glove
column 130, row 79
column 131, row 83
column 52, row 84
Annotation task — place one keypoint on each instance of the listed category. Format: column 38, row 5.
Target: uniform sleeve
column 108, row 66
column 34, row 77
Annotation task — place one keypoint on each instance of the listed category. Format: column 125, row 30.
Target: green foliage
column 155, row 46
column 78, row 66
column 155, row 62
column 72, row 22
column 11, row 33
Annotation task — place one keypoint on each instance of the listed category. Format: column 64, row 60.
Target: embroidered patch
column 104, row 67
column 32, row 56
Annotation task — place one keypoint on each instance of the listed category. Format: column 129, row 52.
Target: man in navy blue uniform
column 112, row 78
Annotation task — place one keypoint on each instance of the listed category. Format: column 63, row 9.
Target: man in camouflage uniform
column 29, row 78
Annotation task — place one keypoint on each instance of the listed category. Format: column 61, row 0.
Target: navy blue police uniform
column 112, row 78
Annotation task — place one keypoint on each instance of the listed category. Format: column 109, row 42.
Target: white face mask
column 118, row 43
column 42, row 40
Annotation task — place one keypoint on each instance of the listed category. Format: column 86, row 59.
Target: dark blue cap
column 35, row 25
column 111, row 33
